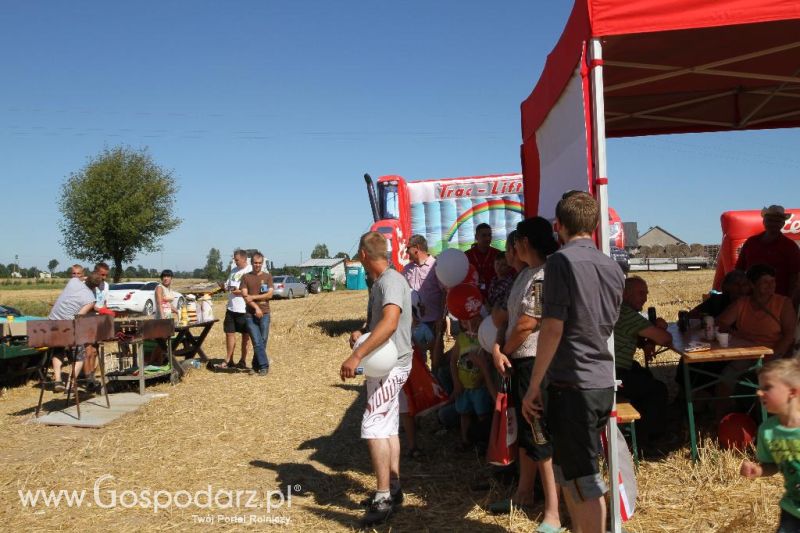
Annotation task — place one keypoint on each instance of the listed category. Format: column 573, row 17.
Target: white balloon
column 487, row 334
column 381, row 360
column 452, row 267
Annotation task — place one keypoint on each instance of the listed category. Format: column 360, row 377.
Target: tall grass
column 9, row 284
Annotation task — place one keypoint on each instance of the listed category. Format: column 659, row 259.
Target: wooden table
column 133, row 334
column 738, row 349
column 191, row 344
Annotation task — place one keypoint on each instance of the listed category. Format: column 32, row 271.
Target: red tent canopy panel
column 669, row 66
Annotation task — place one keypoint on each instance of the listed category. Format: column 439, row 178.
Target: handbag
column 502, row 448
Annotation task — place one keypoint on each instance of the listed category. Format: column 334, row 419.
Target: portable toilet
column 356, row 276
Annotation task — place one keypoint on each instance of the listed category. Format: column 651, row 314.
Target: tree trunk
column 117, row 269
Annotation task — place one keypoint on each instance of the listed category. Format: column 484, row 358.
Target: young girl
column 779, row 436
column 473, row 386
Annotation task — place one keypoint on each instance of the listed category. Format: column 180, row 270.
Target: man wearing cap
column 775, row 249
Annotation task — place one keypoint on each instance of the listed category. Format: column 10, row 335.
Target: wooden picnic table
column 191, row 343
column 738, row 349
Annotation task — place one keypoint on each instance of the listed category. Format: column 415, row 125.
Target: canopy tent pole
column 601, row 193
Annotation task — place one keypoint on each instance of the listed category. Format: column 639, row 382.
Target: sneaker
column 378, row 512
column 397, row 498
column 58, row 386
column 263, row 371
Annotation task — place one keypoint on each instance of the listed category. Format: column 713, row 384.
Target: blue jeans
column 259, row 333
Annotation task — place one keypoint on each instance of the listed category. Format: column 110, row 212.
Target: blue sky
column 268, row 113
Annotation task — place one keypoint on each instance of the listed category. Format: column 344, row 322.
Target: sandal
column 241, row 365
column 547, row 528
column 58, row 386
column 225, row 365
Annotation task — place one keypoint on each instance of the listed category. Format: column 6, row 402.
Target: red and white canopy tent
column 646, row 67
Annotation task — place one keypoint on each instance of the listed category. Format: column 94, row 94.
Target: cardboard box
column 14, row 329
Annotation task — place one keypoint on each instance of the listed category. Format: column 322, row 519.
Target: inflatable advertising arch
column 737, row 227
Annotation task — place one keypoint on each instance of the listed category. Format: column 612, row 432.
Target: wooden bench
column 628, row 415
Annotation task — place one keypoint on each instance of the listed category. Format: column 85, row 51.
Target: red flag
column 628, row 489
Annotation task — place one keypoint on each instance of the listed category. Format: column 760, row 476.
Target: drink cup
column 708, row 322
column 723, row 339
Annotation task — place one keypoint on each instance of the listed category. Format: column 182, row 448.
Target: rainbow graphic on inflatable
column 484, row 207
column 447, row 212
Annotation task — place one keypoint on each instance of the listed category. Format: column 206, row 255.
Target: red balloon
column 464, row 301
column 472, row 276
column 737, row 430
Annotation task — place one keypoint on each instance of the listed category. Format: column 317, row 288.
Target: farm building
column 336, row 266
column 658, row 236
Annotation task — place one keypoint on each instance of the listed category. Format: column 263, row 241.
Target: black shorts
column 234, row 322
column 520, row 378
column 576, row 417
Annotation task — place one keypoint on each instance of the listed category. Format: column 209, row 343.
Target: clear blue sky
column 269, row 112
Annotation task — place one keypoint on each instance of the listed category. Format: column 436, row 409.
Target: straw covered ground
column 298, row 428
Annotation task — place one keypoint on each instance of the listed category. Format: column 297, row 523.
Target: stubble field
column 298, row 428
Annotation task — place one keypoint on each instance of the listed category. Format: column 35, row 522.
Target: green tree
column 52, row 266
column 121, row 203
column 320, row 252
column 214, row 269
column 342, row 255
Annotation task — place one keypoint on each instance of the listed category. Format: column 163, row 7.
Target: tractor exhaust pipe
column 373, row 199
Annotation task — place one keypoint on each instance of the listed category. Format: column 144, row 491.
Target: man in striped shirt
column 647, row 394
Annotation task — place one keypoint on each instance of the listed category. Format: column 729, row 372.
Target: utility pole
column 16, row 263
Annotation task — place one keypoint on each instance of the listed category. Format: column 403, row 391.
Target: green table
column 737, row 350
column 18, row 359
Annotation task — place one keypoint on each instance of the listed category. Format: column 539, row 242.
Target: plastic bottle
column 538, row 433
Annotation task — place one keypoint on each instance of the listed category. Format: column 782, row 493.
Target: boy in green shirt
column 778, row 446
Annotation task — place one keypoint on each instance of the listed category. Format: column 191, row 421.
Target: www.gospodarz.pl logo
column 209, row 498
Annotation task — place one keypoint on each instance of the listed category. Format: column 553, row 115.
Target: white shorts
column 403, row 401
column 382, row 415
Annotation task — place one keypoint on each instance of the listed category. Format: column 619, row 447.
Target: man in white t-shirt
column 101, row 270
column 101, row 292
column 235, row 313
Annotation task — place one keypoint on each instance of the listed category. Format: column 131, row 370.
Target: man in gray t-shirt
column 388, row 317
column 391, row 288
column 77, row 298
column 581, row 299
